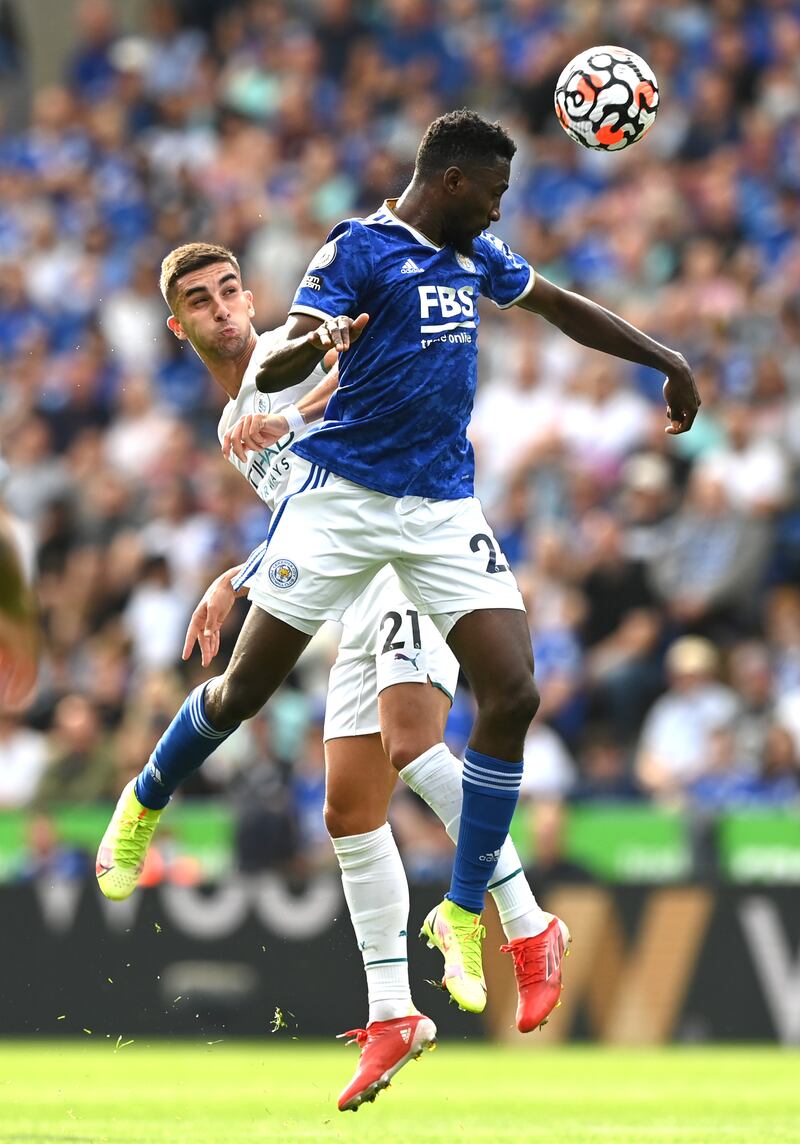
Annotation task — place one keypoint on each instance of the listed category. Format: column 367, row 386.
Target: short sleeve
column 508, row 276
column 338, row 274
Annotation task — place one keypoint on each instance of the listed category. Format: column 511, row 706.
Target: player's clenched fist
column 681, row 396
column 338, row 333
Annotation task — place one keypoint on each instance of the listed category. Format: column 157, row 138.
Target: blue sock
column 491, row 788
column 184, row 746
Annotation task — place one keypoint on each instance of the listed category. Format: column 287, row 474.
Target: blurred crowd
column 662, row 575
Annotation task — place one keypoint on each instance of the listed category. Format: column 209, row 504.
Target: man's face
column 473, row 201
column 212, row 311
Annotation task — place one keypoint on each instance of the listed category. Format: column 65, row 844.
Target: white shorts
column 385, row 641
column 329, row 537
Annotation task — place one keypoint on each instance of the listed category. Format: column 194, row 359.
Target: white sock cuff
column 411, row 773
column 354, row 847
column 436, row 777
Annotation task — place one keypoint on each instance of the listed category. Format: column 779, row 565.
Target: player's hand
column 681, row 396
column 254, row 431
column 208, row 618
column 338, row 333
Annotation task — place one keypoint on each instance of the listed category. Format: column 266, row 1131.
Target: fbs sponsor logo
column 311, row 282
column 445, row 310
column 283, row 573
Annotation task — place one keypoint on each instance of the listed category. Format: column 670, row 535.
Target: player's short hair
column 461, row 137
column 191, row 256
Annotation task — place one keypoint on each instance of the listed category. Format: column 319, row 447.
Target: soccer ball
column 606, row 98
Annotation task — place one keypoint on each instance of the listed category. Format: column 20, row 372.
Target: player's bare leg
column 265, row 652
column 359, row 785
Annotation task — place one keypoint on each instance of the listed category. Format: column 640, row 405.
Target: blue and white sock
column 184, row 746
column 491, row 788
column 436, row 777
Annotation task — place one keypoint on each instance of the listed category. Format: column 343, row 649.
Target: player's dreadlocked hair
column 462, row 137
column 191, row 256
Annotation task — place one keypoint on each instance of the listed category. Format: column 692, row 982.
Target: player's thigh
column 359, row 785
column 452, row 564
column 413, row 718
column 493, row 647
column 417, row 677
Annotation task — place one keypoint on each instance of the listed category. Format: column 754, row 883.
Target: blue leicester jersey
column 398, row 421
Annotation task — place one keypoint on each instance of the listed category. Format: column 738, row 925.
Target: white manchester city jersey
column 263, row 470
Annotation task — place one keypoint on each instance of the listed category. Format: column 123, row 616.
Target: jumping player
column 390, row 658
column 395, row 485
column 394, row 455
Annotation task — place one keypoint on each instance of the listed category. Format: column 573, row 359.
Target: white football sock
column 376, row 891
column 436, row 777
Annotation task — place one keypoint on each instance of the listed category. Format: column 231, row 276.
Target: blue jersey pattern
column 398, row 422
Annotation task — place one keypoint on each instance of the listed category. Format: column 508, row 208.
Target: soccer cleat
column 537, row 967
column 458, row 935
column 385, row 1047
column 121, row 854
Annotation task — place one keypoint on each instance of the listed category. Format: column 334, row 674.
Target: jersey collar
column 389, row 205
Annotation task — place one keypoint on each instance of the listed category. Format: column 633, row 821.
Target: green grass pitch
column 85, row 1092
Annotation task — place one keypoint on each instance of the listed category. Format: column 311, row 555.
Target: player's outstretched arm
column 592, row 325
column 301, row 343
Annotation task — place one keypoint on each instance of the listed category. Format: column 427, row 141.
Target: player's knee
column 337, row 821
column 402, row 747
column 345, row 821
column 232, row 701
column 513, row 705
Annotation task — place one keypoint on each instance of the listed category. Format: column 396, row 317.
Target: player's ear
column 174, row 324
column 251, row 310
column 453, row 180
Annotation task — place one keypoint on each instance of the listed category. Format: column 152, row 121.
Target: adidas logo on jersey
column 492, row 856
column 410, row 267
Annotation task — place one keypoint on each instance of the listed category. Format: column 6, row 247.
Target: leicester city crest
column 465, row 263
column 283, row 573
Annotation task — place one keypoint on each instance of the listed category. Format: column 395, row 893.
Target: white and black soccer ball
column 607, row 98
